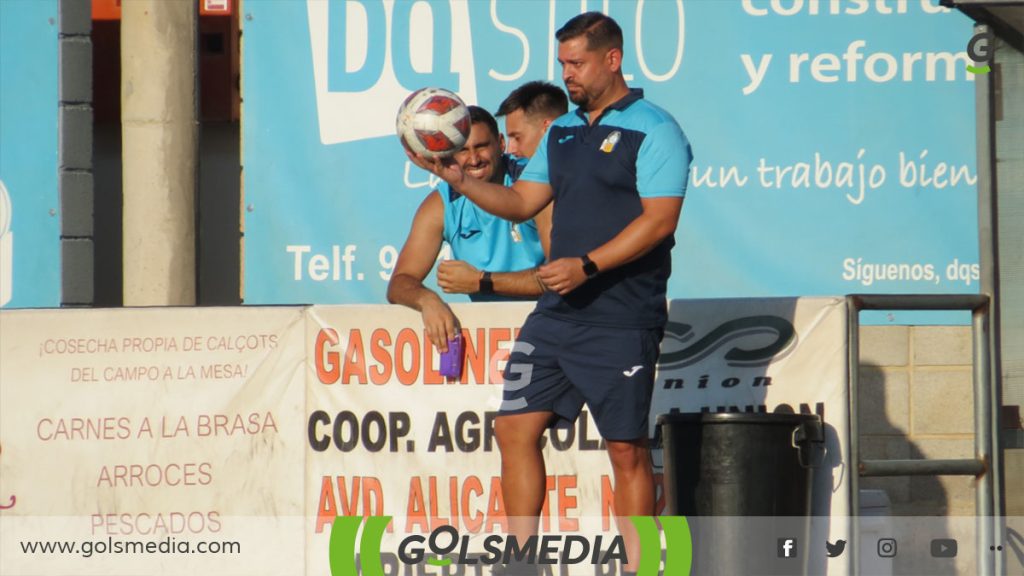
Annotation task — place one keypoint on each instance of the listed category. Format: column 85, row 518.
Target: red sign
column 215, row 8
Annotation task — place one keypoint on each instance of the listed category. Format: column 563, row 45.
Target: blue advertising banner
column 833, row 142
column 29, row 226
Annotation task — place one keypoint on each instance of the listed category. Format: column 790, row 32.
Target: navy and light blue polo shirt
column 487, row 241
column 599, row 173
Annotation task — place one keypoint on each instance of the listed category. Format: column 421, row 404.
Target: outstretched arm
column 519, row 203
column 414, row 263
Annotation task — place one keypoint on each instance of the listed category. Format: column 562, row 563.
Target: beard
column 580, row 97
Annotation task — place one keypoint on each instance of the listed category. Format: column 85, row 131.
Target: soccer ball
column 433, row 122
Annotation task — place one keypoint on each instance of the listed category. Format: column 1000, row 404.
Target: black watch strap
column 486, row 284
column 589, row 267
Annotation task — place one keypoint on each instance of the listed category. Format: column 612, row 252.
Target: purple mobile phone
column 451, row 361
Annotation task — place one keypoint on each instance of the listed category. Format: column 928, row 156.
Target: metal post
column 988, row 248
column 853, row 368
column 987, row 463
column 983, row 441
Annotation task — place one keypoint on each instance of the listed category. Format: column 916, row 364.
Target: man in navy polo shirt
column 616, row 168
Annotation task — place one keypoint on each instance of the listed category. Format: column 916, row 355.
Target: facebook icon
column 787, row 548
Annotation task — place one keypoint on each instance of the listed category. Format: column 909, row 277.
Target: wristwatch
column 589, row 267
column 486, row 284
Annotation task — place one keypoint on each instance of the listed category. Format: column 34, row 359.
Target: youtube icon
column 943, row 548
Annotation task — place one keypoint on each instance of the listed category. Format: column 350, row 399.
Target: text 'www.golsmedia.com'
column 169, row 545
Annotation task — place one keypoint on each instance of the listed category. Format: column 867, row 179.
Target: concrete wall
column 917, row 402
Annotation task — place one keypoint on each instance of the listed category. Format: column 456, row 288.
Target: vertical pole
column 986, row 353
column 160, row 142
column 853, row 369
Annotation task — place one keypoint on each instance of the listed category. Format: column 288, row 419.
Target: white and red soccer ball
column 433, row 122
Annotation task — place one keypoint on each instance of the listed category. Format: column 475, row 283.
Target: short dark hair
column 536, row 98
column 601, row 31
column 479, row 115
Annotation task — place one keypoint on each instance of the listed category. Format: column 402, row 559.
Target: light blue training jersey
column 486, row 241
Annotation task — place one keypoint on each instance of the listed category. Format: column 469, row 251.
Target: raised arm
column 414, row 263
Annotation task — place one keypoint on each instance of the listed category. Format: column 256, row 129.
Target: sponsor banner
column 388, row 436
column 809, row 120
column 181, row 426
column 774, row 355
column 258, row 427
column 29, row 207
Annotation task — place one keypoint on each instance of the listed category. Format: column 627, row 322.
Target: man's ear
column 614, row 59
column 501, row 141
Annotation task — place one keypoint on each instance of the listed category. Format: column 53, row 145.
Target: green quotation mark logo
column 979, row 49
column 343, row 545
column 678, row 545
column 345, row 532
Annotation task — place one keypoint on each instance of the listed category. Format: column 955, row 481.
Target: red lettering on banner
column 181, row 428
column 368, row 487
column 419, row 502
column 566, row 502
column 327, row 368
column 424, row 504
column 109, row 428
column 556, row 488
column 453, row 497
column 407, row 375
column 607, row 502
column 153, row 475
column 476, row 356
column 379, row 341
column 407, row 356
column 430, row 374
column 498, row 354
column 476, row 521
column 355, row 360
column 160, row 523
column 224, row 425
column 416, row 509
column 496, row 508
column 327, row 509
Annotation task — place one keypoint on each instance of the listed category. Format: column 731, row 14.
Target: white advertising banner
column 178, row 428
column 773, row 355
column 389, row 436
column 231, row 439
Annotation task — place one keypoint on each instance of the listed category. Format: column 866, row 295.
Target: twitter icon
column 835, row 549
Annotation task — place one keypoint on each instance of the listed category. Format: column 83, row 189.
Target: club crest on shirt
column 609, row 143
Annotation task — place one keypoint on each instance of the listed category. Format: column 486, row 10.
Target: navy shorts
column 557, row 366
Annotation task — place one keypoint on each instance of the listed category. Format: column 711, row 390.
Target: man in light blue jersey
column 528, row 111
column 503, row 254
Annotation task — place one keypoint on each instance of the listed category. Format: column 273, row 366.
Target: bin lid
column 736, row 418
